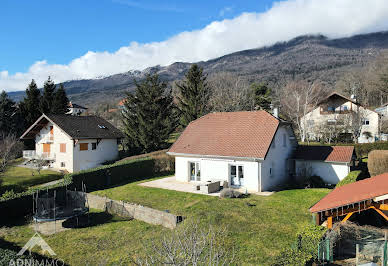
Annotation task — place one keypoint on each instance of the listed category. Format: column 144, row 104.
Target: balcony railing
column 326, row 112
column 31, row 154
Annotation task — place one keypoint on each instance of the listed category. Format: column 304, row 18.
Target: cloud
column 283, row 21
column 225, row 10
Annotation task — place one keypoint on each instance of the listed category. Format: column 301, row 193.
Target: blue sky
column 59, row 31
column 82, row 39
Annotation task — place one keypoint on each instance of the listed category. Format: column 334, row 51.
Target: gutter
column 215, row 156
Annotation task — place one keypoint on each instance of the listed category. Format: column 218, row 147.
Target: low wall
column 136, row 211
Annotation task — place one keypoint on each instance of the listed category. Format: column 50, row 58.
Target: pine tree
column 262, row 96
column 9, row 119
column 61, row 102
column 149, row 116
column 29, row 107
column 46, row 103
column 193, row 95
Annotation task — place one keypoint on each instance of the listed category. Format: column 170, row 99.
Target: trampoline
column 61, row 204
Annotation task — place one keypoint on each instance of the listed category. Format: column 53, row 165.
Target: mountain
column 309, row 57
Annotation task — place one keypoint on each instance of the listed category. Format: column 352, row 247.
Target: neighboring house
column 76, row 109
column 331, row 163
column 382, row 110
column 73, row 143
column 337, row 112
column 248, row 150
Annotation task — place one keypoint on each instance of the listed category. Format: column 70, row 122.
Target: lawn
column 20, row 178
column 258, row 230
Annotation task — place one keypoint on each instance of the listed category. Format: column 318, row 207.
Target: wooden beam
column 347, row 217
column 318, row 218
column 381, row 213
column 329, row 222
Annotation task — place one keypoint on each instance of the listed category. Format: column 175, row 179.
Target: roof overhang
column 215, row 156
column 31, row 132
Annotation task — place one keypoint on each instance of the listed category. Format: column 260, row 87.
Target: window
column 51, row 133
column 272, row 170
column 63, row 164
column 195, row 171
column 344, row 108
column 94, row 145
column 274, row 142
column 365, row 122
column 284, row 140
column 330, row 108
column 237, row 175
column 83, row 146
column 62, row 147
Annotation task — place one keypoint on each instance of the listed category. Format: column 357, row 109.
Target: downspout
column 259, row 176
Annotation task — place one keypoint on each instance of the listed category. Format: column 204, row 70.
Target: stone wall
column 136, row 211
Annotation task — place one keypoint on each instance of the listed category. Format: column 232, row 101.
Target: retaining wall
column 137, row 212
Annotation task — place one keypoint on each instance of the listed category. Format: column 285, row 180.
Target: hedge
column 350, row 178
column 378, row 162
column 20, row 204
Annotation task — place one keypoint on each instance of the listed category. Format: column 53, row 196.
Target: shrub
column 378, row 162
column 363, row 149
column 352, row 177
column 315, row 182
column 305, row 248
column 230, row 193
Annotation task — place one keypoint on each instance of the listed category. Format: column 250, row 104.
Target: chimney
column 276, row 112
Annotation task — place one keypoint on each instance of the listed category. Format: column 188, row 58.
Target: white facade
column 257, row 174
column 51, row 138
column 330, row 172
column 339, row 111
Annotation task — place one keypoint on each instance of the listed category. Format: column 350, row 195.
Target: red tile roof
column 235, row 134
column 352, row 193
column 341, row 154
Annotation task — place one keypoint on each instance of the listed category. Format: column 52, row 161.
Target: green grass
column 20, row 179
column 257, row 232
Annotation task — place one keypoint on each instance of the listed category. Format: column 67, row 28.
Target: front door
column 195, row 171
column 237, row 175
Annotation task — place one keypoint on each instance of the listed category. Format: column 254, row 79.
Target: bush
column 305, row 248
column 352, row 177
column 363, row 149
column 315, row 182
column 230, row 193
column 378, row 162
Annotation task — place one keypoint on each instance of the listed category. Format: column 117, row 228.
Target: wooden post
column 357, row 253
column 329, row 222
column 318, row 218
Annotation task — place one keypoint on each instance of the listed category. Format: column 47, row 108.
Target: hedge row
column 378, row 162
column 20, row 204
column 352, row 177
column 362, row 149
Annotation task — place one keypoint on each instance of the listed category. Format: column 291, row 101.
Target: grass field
column 258, row 230
column 20, row 178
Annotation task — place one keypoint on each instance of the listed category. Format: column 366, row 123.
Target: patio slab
column 170, row 183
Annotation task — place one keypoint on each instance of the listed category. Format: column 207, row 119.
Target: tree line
column 17, row 117
column 154, row 111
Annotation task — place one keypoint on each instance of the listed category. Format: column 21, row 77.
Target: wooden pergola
column 367, row 194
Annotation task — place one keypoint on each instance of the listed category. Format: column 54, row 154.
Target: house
column 76, row 109
column 351, row 199
column 331, row 163
column 383, row 110
column 249, row 149
column 72, row 143
column 337, row 112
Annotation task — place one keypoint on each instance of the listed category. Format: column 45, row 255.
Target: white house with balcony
column 76, row 109
column 72, row 143
column 337, row 112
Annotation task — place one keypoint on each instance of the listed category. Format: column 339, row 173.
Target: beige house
column 76, row 109
column 72, row 143
column 339, row 113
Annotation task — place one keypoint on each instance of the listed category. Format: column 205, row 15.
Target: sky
column 77, row 39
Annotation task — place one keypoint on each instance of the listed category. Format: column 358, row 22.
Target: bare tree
column 229, row 92
column 10, row 149
column 189, row 245
column 297, row 98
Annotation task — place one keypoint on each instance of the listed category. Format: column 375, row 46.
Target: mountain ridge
column 308, row 57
